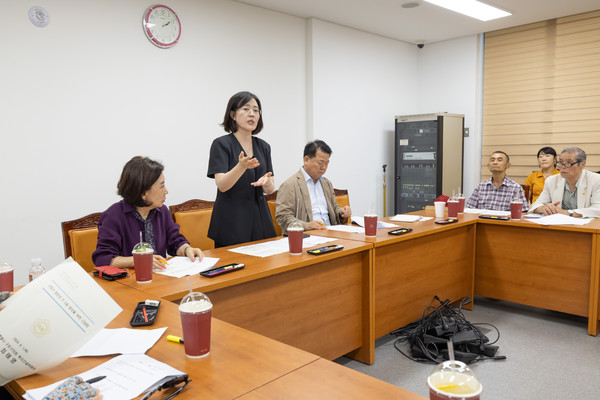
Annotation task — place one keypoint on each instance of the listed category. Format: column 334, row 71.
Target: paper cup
column 440, row 207
column 453, row 206
column 6, row 278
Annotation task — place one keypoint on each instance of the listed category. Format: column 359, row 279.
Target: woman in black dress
column 240, row 164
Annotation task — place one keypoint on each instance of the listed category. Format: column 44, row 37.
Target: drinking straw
column 189, row 281
column 451, row 351
column 141, row 237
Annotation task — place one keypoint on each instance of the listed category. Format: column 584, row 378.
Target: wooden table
column 239, row 360
column 552, row 267
column 321, row 304
column 324, row 379
column 410, row 269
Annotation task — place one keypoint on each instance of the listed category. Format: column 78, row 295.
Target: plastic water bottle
column 36, row 269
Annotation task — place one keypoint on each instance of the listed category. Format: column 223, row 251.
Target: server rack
column 428, row 159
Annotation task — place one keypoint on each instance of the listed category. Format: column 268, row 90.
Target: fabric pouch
column 109, row 273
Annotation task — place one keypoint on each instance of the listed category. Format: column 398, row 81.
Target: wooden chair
column 272, row 202
column 193, row 217
column 528, row 193
column 79, row 239
column 342, row 198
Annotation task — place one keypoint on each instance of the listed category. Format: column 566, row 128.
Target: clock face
column 162, row 26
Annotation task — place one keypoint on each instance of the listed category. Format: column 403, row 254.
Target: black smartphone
column 494, row 217
column 446, row 221
column 225, row 269
column 400, row 231
column 145, row 313
column 325, row 249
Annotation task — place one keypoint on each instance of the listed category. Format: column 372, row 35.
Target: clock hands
column 166, row 24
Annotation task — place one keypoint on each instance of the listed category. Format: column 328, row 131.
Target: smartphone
column 399, row 231
column 446, row 221
column 224, row 269
column 145, row 313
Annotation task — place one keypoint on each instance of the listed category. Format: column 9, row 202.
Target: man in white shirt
column 575, row 192
column 307, row 196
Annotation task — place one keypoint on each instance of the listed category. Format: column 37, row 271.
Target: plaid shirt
column 486, row 196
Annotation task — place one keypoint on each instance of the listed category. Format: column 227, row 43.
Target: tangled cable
column 428, row 336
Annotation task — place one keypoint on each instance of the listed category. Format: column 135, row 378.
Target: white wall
column 450, row 81
column 83, row 95
column 360, row 82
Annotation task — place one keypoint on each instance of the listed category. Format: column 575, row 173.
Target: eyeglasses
column 566, row 164
column 246, row 110
column 173, row 382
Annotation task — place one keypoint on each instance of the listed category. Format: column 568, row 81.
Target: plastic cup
column 143, row 257
column 370, row 224
column 516, row 209
column 453, row 206
column 440, row 207
column 6, row 278
column 461, row 207
column 195, row 310
column 295, row 234
column 453, row 380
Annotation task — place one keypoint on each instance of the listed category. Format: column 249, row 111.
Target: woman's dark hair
column 138, row 176
column 237, row 101
column 546, row 150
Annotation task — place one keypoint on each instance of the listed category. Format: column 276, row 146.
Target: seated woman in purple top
column 142, row 186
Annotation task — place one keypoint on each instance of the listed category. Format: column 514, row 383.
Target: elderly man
column 497, row 192
column 575, row 192
column 307, row 196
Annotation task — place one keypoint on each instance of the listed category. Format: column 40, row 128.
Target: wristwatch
column 570, row 213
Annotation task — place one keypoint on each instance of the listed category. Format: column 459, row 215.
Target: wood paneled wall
column 542, row 88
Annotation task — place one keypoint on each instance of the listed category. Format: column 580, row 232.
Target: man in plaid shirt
column 497, row 192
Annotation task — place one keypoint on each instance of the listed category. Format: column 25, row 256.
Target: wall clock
column 161, row 26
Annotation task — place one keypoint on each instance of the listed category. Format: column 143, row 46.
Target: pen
column 175, row 339
column 96, row 379
column 163, row 261
column 145, row 314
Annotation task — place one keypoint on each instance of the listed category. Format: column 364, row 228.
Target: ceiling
column 427, row 23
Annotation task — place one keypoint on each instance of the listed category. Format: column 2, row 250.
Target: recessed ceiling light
column 410, row 5
column 472, row 8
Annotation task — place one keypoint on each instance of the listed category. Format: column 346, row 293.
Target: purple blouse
column 119, row 232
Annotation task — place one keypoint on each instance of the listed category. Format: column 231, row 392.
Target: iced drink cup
column 370, row 220
column 461, row 205
column 6, row 278
column 295, row 234
column 453, row 206
column 143, row 257
column 516, row 209
column 453, row 380
column 195, row 310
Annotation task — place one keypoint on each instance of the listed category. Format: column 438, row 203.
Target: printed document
column 127, row 376
column 50, row 318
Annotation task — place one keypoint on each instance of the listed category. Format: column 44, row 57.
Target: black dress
column 240, row 214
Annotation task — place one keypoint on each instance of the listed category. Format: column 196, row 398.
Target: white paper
column 50, row 318
column 120, row 341
column 346, row 228
column 127, row 376
column 405, row 218
column 380, row 224
column 487, row 212
column 178, row 267
column 273, row 247
column 560, row 219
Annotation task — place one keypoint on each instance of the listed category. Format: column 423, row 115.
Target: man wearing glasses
column 575, row 192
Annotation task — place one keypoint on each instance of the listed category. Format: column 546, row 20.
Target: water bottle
column 36, row 269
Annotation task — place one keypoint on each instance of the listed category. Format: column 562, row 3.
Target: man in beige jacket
column 309, row 197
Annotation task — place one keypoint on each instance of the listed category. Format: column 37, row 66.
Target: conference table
column 320, row 304
column 554, row 267
column 338, row 303
column 241, row 364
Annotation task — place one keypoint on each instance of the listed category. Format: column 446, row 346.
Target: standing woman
column 547, row 161
column 240, row 164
